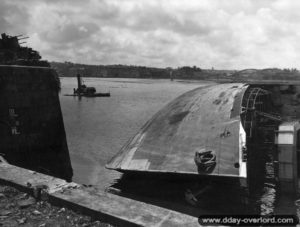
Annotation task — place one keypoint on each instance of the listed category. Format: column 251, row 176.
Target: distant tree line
column 69, row 69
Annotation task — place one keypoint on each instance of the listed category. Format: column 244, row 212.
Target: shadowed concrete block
column 31, row 125
column 98, row 204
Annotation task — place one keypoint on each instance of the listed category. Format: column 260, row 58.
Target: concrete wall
column 32, row 133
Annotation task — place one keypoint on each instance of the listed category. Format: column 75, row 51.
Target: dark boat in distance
column 83, row 90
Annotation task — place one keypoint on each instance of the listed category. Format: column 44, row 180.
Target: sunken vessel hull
column 224, row 130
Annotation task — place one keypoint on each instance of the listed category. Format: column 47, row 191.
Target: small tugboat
column 83, row 90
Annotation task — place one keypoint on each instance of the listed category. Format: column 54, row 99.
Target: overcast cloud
column 224, row 34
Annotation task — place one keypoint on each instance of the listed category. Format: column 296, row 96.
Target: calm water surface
column 97, row 128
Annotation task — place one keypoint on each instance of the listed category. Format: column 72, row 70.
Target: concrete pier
column 106, row 207
column 32, row 129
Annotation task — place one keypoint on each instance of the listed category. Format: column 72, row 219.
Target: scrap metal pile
column 12, row 53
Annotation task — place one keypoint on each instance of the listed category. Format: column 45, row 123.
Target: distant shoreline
column 186, row 73
column 179, row 80
column 68, row 69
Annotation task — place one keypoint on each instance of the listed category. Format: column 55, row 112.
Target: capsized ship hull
column 203, row 121
column 247, row 131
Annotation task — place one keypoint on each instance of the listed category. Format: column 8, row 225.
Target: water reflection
column 97, row 128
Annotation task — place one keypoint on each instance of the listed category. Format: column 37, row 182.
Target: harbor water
column 97, row 128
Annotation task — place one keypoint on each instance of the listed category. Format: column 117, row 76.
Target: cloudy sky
column 224, row 34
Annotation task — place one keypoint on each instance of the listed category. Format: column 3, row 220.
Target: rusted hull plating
column 202, row 125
